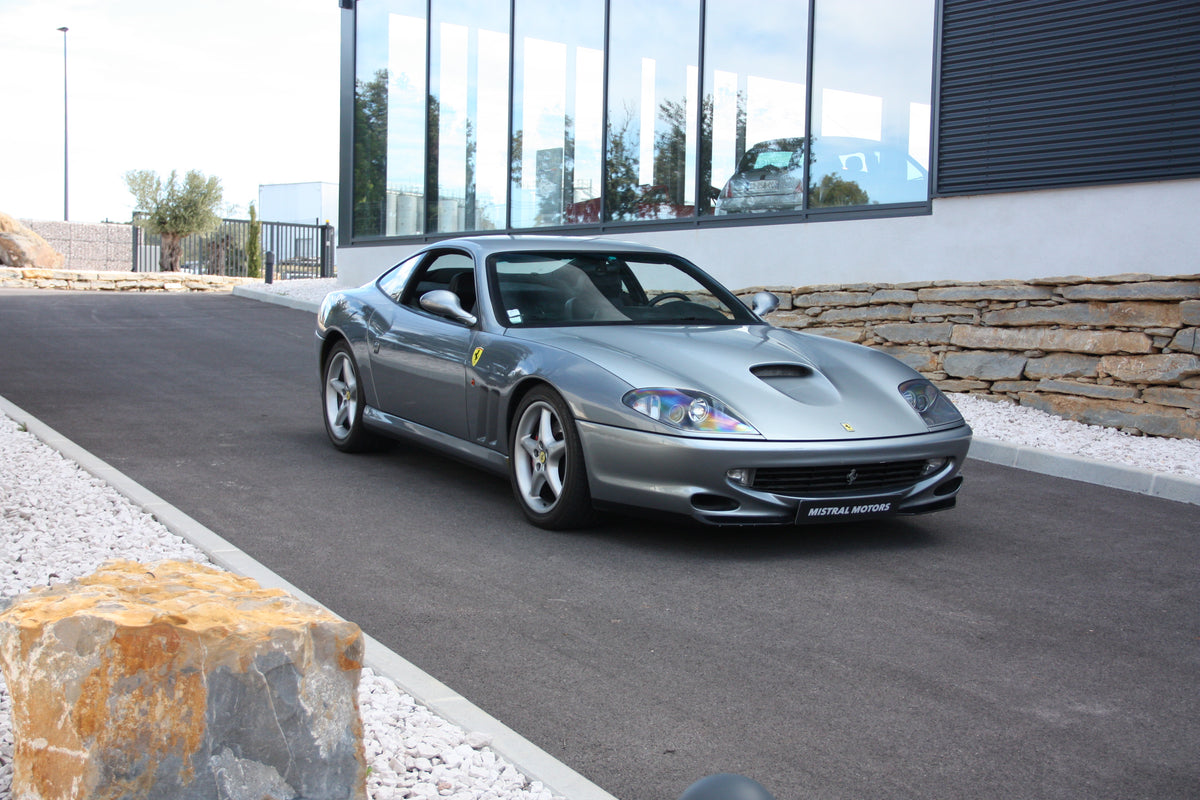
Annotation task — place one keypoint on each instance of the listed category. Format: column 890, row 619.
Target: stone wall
column 83, row 280
column 103, row 246
column 1120, row 351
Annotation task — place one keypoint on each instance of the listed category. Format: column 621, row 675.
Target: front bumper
column 690, row 476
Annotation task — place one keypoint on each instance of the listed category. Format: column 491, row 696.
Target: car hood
column 788, row 385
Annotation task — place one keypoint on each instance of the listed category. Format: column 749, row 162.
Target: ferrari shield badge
column 848, row 427
column 475, row 356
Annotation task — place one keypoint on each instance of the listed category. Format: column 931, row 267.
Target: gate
column 299, row 250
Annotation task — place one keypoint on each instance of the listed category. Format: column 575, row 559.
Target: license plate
column 839, row 510
column 764, row 186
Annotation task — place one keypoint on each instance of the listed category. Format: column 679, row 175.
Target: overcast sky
column 246, row 90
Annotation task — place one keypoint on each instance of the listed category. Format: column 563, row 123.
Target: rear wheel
column 342, row 400
column 546, row 465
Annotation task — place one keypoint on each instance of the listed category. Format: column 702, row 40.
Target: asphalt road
column 1040, row 641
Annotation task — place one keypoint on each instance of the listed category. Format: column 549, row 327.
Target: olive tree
column 175, row 209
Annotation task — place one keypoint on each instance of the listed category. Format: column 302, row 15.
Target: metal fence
column 295, row 250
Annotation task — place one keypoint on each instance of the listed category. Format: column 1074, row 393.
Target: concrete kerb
column 1087, row 470
column 1059, row 465
column 254, row 292
column 534, row 762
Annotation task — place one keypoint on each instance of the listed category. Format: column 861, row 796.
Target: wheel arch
column 334, row 336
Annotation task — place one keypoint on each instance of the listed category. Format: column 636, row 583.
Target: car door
column 419, row 360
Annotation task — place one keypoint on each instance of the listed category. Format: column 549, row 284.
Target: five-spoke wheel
column 546, row 464
column 343, row 401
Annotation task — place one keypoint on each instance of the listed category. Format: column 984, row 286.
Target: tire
column 546, row 465
column 342, row 402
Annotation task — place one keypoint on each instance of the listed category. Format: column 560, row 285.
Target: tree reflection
column 370, row 154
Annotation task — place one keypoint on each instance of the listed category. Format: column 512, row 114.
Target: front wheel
column 546, row 464
column 342, row 401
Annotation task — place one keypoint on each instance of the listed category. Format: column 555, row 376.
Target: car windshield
column 776, row 154
column 553, row 289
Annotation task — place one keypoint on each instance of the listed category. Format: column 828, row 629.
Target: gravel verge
column 58, row 522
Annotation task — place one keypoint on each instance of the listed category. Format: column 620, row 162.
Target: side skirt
column 474, row 454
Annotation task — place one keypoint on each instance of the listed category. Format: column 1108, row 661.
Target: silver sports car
column 598, row 374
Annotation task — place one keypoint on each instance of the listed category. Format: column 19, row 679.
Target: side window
column 393, row 281
column 454, row 272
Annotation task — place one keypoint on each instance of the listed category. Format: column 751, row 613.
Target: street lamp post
column 66, row 215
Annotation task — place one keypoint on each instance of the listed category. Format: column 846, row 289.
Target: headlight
column 930, row 403
column 687, row 410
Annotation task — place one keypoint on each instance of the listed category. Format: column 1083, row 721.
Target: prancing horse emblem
column 852, row 477
column 848, row 426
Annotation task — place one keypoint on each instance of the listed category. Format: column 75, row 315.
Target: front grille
column 841, row 479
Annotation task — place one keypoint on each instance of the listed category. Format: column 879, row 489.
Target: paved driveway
column 1041, row 641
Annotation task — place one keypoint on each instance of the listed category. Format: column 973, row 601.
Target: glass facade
column 622, row 113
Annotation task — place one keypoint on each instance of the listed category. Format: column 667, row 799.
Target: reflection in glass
column 558, row 90
column 755, row 59
column 652, row 87
column 467, row 170
column 871, row 102
column 755, row 133
column 389, row 119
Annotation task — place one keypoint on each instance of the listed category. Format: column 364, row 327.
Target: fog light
column 933, row 465
column 743, row 476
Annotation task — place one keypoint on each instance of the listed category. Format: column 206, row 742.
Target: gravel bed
column 58, row 522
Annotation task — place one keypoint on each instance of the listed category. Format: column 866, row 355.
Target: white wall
column 1150, row 227
column 304, row 203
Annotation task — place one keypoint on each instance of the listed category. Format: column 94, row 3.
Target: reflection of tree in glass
column 706, row 198
column 830, row 190
column 835, row 191
column 670, row 152
column 370, row 154
column 433, row 115
column 554, row 178
column 621, row 176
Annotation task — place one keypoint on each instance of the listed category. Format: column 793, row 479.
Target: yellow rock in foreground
column 178, row 680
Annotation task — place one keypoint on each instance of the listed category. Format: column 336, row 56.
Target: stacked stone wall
column 1120, row 351
column 98, row 247
column 84, row 280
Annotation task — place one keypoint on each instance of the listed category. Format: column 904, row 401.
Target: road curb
column 253, row 292
column 428, row 691
column 1087, row 470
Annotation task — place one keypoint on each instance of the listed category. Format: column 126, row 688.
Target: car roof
column 487, row 245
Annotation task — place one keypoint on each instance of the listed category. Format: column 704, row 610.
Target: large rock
column 1098, row 315
column 1148, row 290
column 1153, row 419
column 1050, row 340
column 21, row 247
column 984, row 366
column 175, row 680
column 1159, row 368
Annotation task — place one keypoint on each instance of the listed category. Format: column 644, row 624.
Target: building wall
column 1142, row 227
column 303, row 203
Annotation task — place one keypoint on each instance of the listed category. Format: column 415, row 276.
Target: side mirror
column 764, row 303
column 445, row 303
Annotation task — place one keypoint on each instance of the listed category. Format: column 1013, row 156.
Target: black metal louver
column 842, row 480
column 1038, row 94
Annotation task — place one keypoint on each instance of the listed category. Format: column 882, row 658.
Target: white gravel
column 58, row 522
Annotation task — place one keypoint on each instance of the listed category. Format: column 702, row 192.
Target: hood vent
column 799, row 382
column 769, row 371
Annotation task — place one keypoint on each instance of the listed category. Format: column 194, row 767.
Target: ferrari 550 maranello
column 597, row 374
